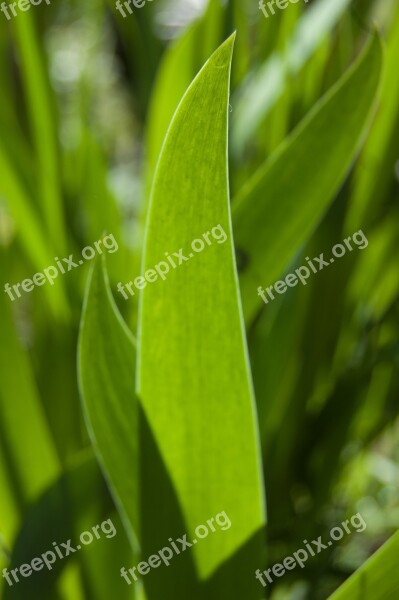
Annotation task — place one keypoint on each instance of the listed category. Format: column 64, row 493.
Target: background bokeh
column 86, row 99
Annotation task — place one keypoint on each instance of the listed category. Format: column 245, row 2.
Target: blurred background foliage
column 86, row 99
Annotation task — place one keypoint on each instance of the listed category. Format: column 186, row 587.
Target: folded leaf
column 106, row 377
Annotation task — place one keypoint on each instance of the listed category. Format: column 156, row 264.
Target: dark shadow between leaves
column 162, row 519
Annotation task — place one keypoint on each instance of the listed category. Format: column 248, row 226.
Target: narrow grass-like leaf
column 29, row 228
column 194, row 380
column 41, row 114
column 106, row 376
column 375, row 168
column 377, row 579
column 33, row 464
column 19, row 204
column 264, row 87
column 10, row 510
column 282, row 204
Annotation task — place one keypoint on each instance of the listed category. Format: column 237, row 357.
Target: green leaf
column 180, row 63
column 107, row 380
column 10, row 511
column 377, row 579
column 30, row 230
column 43, row 127
column 194, row 380
column 265, row 86
column 284, row 201
column 19, row 204
column 376, row 164
column 31, row 465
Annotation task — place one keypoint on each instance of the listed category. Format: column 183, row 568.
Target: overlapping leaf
column 106, row 375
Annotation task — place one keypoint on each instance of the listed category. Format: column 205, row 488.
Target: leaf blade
column 177, row 313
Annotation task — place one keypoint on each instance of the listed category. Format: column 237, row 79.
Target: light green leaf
column 106, row 376
column 377, row 579
column 194, row 380
column 284, row 201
